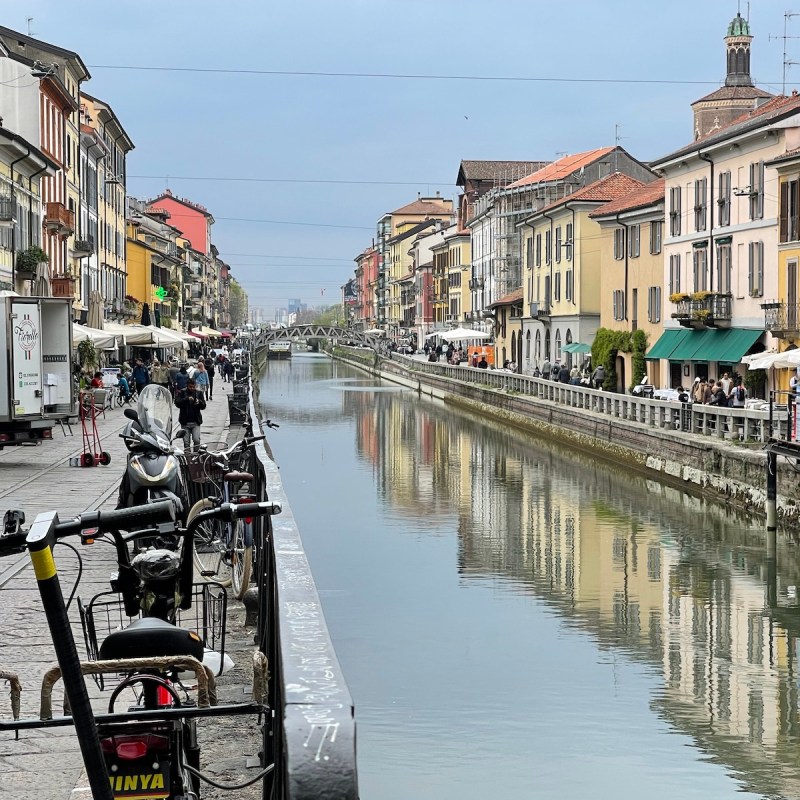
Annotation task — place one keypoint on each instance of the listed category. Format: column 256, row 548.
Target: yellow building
column 632, row 270
column 459, row 296
column 562, row 277
column 507, row 312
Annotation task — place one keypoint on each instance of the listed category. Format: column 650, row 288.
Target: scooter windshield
column 155, row 410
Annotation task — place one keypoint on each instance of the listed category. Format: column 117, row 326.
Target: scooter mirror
column 179, row 435
column 131, row 413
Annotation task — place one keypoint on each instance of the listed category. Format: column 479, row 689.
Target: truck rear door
column 26, row 360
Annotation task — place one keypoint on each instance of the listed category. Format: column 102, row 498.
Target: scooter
column 153, row 470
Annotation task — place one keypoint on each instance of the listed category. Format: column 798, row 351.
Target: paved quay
column 36, row 479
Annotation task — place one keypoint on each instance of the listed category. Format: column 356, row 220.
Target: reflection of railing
column 313, row 721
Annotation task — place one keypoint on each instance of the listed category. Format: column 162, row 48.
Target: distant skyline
column 262, row 146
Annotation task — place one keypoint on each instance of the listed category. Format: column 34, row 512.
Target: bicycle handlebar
column 99, row 521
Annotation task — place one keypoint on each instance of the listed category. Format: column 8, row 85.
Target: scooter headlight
column 170, row 466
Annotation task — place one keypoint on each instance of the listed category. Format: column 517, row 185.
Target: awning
column 576, row 347
column 726, row 346
column 667, row 343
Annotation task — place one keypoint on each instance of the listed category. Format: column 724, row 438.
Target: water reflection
column 651, row 574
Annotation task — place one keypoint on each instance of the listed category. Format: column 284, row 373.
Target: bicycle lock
column 40, row 541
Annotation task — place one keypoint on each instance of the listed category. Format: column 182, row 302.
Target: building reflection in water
column 643, row 568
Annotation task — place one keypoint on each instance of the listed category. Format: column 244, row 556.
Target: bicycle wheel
column 241, row 558
column 209, row 554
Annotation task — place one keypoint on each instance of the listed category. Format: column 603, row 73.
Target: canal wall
column 729, row 471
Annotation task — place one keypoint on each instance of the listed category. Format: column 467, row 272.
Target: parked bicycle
column 223, row 551
column 151, row 748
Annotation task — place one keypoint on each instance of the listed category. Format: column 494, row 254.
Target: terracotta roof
column 508, row 299
column 777, row 108
column 734, row 93
column 641, row 197
column 497, row 170
column 426, row 205
column 606, row 189
column 563, row 167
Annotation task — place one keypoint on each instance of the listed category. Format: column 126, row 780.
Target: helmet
column 156, row 564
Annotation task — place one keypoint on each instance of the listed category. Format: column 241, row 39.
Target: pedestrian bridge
column 295, row 333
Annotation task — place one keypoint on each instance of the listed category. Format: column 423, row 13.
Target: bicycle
column 223, row 552
column 153, row 745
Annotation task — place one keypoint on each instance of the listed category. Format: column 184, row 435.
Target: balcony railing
column 476, row 283
column 540, row 309
column 781, row 319
column 59, row 219
column 712, row 310
column 6, row 208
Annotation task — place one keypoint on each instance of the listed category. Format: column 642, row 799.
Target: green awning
column 726, row 346
column 576, row 347
column 667, row 343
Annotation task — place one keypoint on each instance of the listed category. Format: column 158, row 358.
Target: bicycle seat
column 151, row 637
column 237, row 477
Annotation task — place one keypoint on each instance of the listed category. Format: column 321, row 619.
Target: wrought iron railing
column 781, row 318
column 709, row 309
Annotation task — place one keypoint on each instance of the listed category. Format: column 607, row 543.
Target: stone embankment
column 728, row 466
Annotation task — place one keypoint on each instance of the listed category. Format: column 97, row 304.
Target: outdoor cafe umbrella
column 464, row 333
column 146, row 320
column 94, row 317
column 41, row 287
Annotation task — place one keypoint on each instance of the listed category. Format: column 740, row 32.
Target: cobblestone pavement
column 48, row 763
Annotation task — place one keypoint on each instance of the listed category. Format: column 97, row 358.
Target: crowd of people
column 725, row 392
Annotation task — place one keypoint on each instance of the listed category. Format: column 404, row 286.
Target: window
column 656, row 237
column 529, row 252
column 558, row 245
column 790, row 201
column 700, row 190
column 654, row 304
column 724, row 268
column 634, row 309
column 569, row 285
column 558, row 346
column 756, row 268
column 568, row 243
column 724, row 199
column 757, row 190
column 538, row 249
column 618, row 304
column 700, row 266
column 547, row 247
column 675, row 211
column 634, row 233
column 619, row 244
column 528, row 346
column 557, row 287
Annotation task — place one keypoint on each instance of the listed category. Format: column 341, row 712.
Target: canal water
column 517, row 620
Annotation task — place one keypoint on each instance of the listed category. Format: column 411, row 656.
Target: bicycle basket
column 207, row 617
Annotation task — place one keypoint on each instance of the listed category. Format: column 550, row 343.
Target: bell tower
column 739, row 95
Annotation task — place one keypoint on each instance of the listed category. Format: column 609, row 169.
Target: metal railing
column 312, row 736
column 756, row 423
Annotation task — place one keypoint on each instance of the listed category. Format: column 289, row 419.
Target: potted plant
column 678, row 297
column 701, row 295
column 87, row 355
column 28, row 260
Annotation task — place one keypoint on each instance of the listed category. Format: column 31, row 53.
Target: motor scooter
column 153, row 470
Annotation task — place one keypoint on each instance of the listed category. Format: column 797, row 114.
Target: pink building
column 191, row 219
column 366, row 282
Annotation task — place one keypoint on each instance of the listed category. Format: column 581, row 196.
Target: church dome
column 739, row 26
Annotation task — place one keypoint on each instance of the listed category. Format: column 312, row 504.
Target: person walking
column 599, row 376
column 228, row 371
column 174, row 369
column 181, row 379
column 201, row 378
column 140, row 376
column 210, row 373
column 190, row 405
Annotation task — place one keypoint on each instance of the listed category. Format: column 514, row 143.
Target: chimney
column 437, row 193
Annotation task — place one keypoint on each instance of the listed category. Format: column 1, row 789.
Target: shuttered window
column 756, row 269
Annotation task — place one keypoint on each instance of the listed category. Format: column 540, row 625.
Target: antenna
column 29, row 20
column 787, row 62
column 617, row 137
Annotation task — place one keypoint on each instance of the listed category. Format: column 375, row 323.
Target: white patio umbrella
column 94, row 318
column 464, row 333
column 101, row 339
column 41, row 285
column 374, row 331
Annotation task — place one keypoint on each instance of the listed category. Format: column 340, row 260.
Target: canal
column 516, row 620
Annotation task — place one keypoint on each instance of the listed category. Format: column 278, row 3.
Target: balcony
column 782, row 319
column 6, row 210
column 703, row 310
column 63, row 286
column 58, row 219
column 476, row 283
column 538, row 310
column 82, row 248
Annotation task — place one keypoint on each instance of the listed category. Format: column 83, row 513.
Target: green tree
column 238, row 304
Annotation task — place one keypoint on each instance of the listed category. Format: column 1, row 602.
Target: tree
column 237, row 304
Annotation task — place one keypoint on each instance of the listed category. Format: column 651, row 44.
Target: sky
column 297, row 168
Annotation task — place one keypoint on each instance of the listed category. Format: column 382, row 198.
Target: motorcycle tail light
column 131, row 748
column 248, row 520
column 164, row 697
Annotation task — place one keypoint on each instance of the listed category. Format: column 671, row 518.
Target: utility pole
column 787, row 62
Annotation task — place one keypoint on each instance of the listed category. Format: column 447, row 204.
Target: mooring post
column 772, row 503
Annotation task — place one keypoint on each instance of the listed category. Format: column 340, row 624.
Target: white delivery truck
column 36, row 386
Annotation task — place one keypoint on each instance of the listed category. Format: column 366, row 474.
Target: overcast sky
column 399, row 136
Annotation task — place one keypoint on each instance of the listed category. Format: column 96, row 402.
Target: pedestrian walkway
column 47, row 764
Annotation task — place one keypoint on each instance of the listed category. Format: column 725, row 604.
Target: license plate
column 137, row 780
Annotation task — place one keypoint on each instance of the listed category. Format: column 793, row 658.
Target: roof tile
column 641, row 197
column 563, row 167
column 606, row 189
